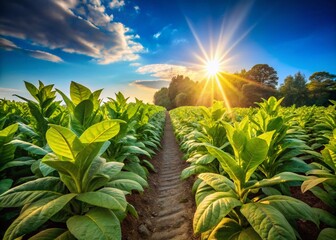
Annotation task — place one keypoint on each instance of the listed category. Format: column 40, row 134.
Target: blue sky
column 137, row 46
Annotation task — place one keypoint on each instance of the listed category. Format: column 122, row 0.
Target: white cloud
column 9, row 46
column 135, row 64
column 137, row 9
column 164, row 30
column 166, row 71
column 117, row 4
column 152, row 84
column 72, row 27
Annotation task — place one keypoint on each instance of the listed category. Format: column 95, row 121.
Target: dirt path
column 166, row 208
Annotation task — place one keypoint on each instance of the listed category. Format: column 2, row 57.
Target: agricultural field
column 75, row 171
column 260, row 173
column 66, row 170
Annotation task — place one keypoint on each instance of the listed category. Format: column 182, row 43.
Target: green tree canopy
column 294, row 90
column 264, row 74
column 161, row 98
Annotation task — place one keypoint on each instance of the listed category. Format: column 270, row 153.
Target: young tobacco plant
column 233, row 208
column 87, row 198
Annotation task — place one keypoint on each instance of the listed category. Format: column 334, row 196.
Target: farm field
column 78, row 171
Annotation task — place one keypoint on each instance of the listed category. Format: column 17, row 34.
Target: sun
column 212, row 67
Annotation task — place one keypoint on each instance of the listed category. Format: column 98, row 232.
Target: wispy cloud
column 117, row 4
column 71, row 26
column 10, row 46
column 137, row 9
column 166, row 71
column 152, row 84
column 135, row 64
column 164, row 30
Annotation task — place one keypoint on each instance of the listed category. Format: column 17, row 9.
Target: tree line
column 244, row 88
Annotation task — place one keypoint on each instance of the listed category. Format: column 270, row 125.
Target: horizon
column 136, row 47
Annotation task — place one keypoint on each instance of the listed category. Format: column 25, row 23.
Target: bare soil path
column 166, row 208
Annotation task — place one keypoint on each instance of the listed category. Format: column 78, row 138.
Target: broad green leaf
column 97, row 224
column 203, row 190
column 5, row 184
column 225, row 229
column 327, row 234
column 279, row 178
column 136, row 168
column 267, row 136
column 135, row 150
column 325, row 196
column 218, row 182
column 212, row 209
column 205, row 159
column 291, row 208
column 228, row 163
column 15, row 163
column 32, row 89
column 326, row 217
column 32, row 191
column 29, row 147
column 194, row 169
column 267, row 221
column 9, row 131
column 36, row 215
column 131, row 176
column 83, row 111
column 125, row 185
column 100, row 132
column 48, row 234
column 67, row 101
column 79, row 92
column 106, row 198
column 63, row 142
column 253, row 155
column 248, row 233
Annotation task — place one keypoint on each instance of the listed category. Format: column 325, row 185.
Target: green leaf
column 291, row 208
column 131, row 176
column 218, row 182
column 135, row 150
column 67, row 101
column 63, row 142
column 5, row 184
column 48, row 234
column 327, row 234
column 253, row 155
column 125, row 185
column 79, row 92
column 212, row 209
column 277, row 179
column 226, row 229
column 32, row 89
column 32, row 191
column 194, row 169
column 29, row 147
column 326, row 217
column 228, row 163
column 106, row 198
column 83, row 111
column 97, row 224
column 101, row 132
column 35, row 215
column 267, row 221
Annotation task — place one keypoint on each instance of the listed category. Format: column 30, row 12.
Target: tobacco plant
column 233, row 208
column 85, row 199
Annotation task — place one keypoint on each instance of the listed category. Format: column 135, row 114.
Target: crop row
column 248, row 160
column 65, row 170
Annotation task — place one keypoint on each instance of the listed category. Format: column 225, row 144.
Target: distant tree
column 161, row 98
column 322, row 88
column 294, row 90
column 252, row 93
column 263, row 74
column 181, row 99
column 322, row 76
column 181, row 84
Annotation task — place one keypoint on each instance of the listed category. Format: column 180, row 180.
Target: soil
column 167, row 206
